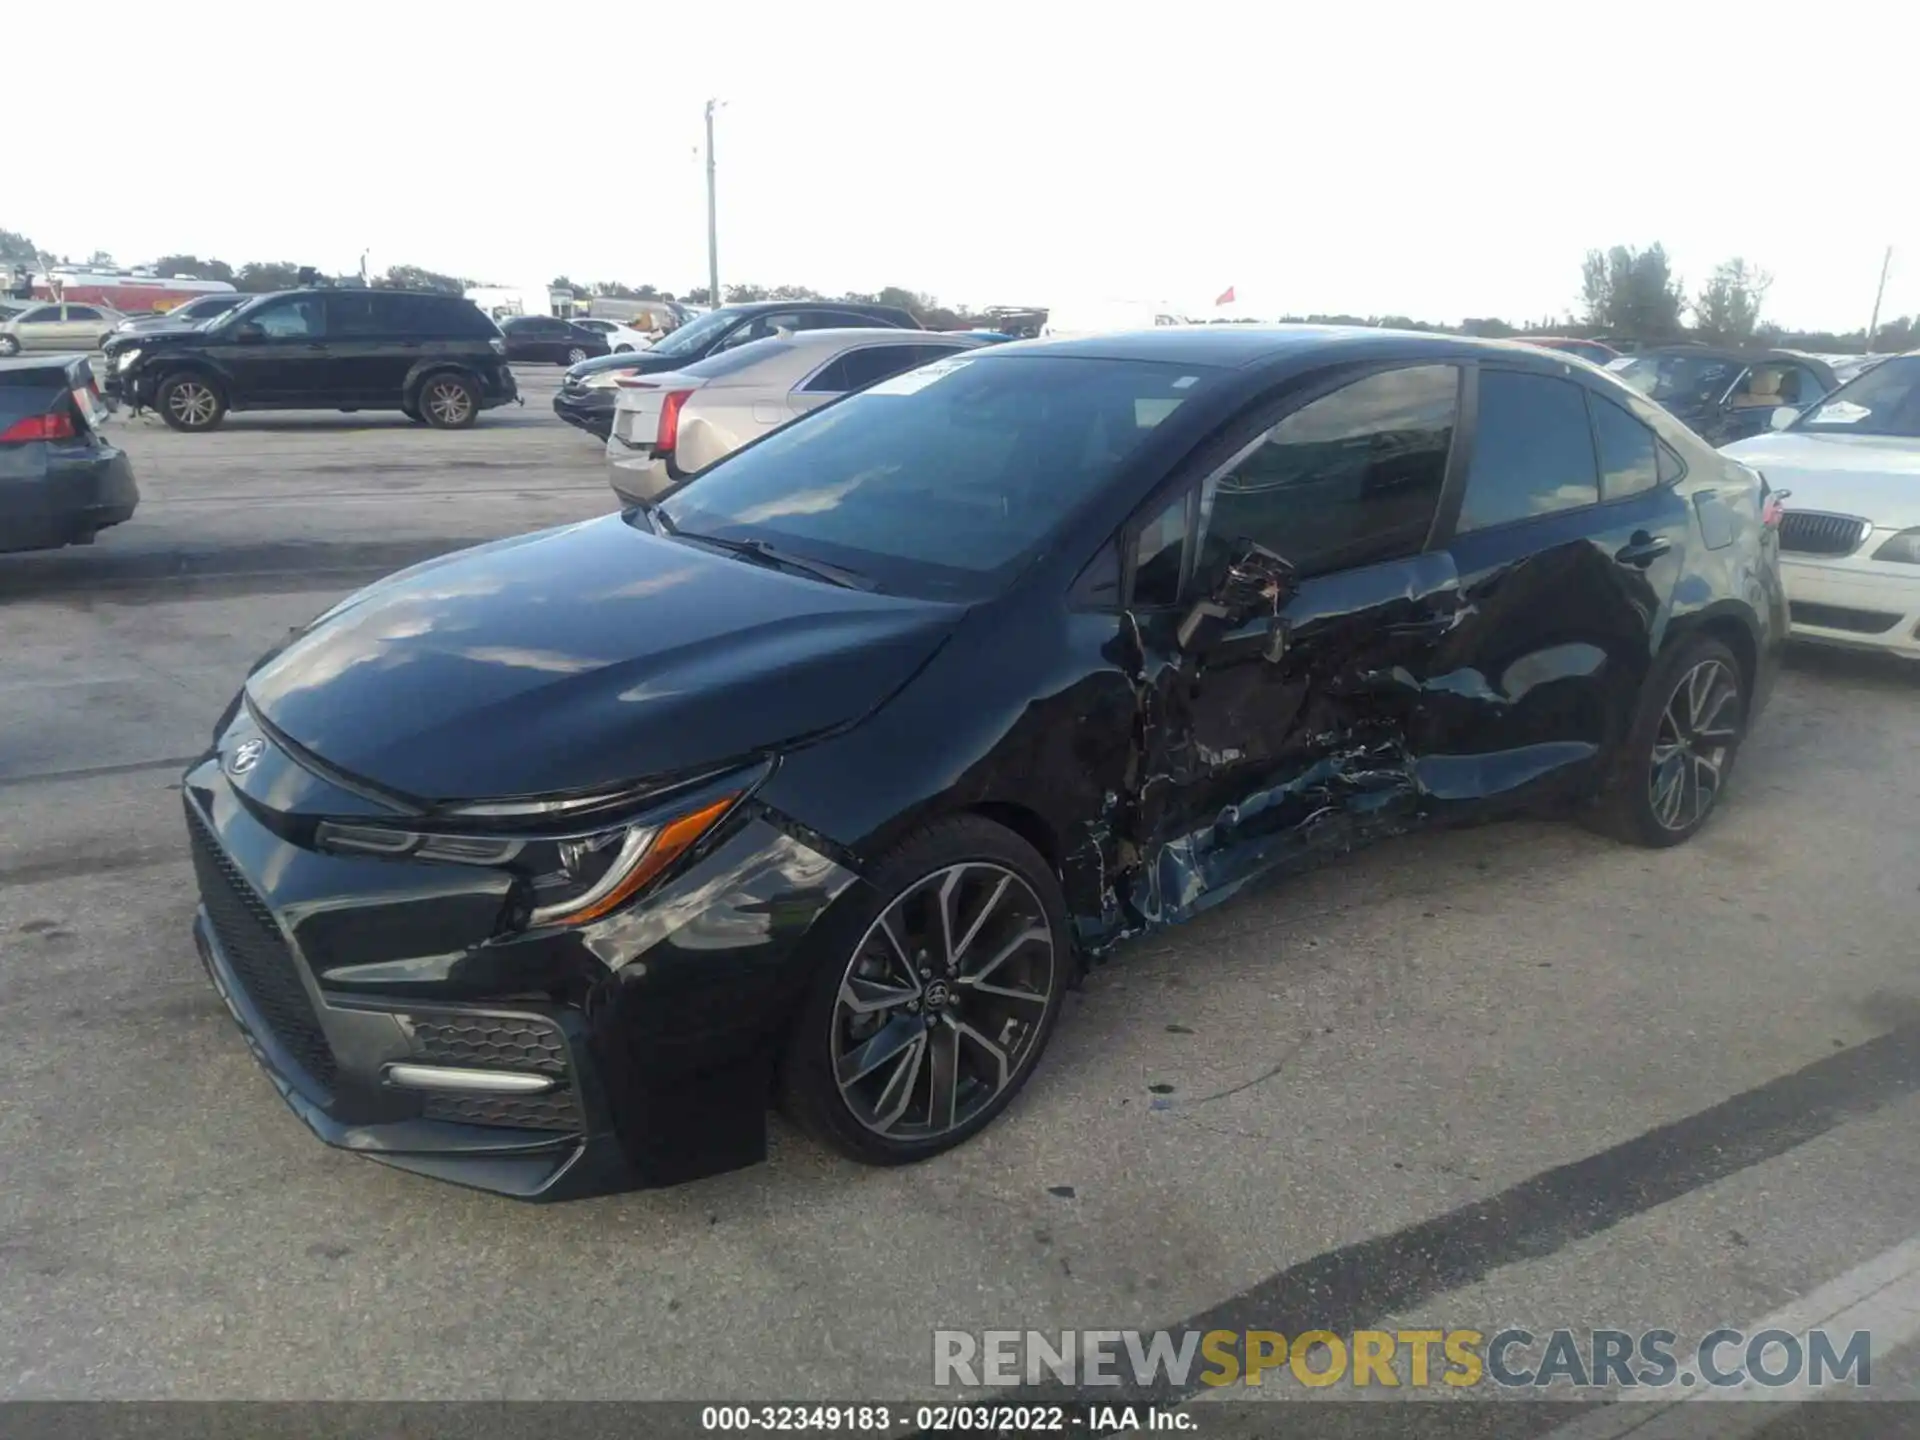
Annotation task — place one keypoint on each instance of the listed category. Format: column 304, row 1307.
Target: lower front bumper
column 589, row 414
column 539, row 1168
column 1852, row 606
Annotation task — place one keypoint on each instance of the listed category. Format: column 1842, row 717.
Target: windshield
column 695, row 335
column 1683, row 378
column 940, row 481
column 1883, row 401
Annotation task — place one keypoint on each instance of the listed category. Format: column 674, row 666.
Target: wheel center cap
column 938, row 995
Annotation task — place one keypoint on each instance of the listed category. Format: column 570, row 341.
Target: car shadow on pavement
column 1882, row 671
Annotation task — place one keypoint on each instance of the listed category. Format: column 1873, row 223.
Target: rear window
column 943, row 480
column 32, row 390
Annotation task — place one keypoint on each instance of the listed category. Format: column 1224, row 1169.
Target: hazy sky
column 1433, row 160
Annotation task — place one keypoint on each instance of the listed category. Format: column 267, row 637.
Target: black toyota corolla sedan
column 549, row 866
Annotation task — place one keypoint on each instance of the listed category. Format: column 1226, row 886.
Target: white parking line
column 1881, row 1296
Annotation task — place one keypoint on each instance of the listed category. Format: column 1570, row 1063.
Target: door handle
column 1642, row 550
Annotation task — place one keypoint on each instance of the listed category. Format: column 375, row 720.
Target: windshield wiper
column 762, row 553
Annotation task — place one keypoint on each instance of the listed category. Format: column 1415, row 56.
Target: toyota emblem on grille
column 245, row 756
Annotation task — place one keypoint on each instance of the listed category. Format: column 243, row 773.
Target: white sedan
column 620, row 338
column 1850, row 537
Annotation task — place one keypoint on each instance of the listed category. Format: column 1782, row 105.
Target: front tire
column 9, row 344
column 936, row 988
column 1678, row 754
column 190, row 402
column 448, row 402
column 575, row 356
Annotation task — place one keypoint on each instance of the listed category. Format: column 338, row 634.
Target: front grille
column 553, row 1111
column 497, row 1042
column 258, row 953
column 1811, row 532
column 490, row 1042
column 1842, row 617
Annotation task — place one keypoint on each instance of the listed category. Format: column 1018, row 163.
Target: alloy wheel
column 942, row 1004
column 448, row 402
column 192, row 404
column 576, row 355
column 1693, row 745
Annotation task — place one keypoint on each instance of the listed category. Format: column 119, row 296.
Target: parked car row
column 1850, row 539
column 586, row 396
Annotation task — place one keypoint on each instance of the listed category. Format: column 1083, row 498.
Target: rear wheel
column 576, row 355
column 623, row 349
column 448, row 402
column 190, row 402
column 937, row 988
column 1679, row 753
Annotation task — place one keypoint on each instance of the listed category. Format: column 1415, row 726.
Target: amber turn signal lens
column 673, row 841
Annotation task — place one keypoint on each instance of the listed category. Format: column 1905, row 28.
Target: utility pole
column 713, row 230
column 1873, row 325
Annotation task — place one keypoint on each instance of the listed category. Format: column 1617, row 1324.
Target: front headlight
column 124, row 360
column 1902, row 549
column 604, row 379
column 570, row 879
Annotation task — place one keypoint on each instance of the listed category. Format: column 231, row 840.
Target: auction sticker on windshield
column 1841, row 412
column 917, row 380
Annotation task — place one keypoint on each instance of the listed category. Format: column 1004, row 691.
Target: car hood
column 643, row 362
column 156, row 325
column 1875, row 476
column 173, row 333
column 590, row 656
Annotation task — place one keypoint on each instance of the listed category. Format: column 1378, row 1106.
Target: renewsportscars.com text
column 1412, row 1359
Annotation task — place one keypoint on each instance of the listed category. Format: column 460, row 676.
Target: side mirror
column 248, row 333
column 1783, row 416
column 1256, row 583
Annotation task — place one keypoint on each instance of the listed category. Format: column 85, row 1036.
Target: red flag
column 1225, row 297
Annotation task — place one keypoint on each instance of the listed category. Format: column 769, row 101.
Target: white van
column 1105, row 317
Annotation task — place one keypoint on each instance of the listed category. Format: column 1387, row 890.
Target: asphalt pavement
column 1512, row 1075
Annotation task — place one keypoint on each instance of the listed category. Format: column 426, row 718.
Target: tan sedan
column 52, row 325
column 671, row 424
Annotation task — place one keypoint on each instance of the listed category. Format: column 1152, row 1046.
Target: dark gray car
column 61, row 482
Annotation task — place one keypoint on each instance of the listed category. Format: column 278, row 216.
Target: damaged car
column 549, row 866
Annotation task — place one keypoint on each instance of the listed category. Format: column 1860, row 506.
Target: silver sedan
column 672, row 424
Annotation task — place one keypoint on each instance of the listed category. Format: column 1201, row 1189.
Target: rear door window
column 355, row 312
column 860, row 368
column 1532, row 451
column 83, row 312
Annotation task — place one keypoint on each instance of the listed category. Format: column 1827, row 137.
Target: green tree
column 17, row 249
column 193, row 267
column 257, row 277
column 412, row 277
column 572, row 287
column 1728, row 306
column 745, row 294
column 1632, row 292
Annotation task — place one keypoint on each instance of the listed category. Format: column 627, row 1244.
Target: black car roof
column 1265, row 346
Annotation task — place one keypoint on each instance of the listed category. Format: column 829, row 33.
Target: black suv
column 591, row 406
column 433, row 357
